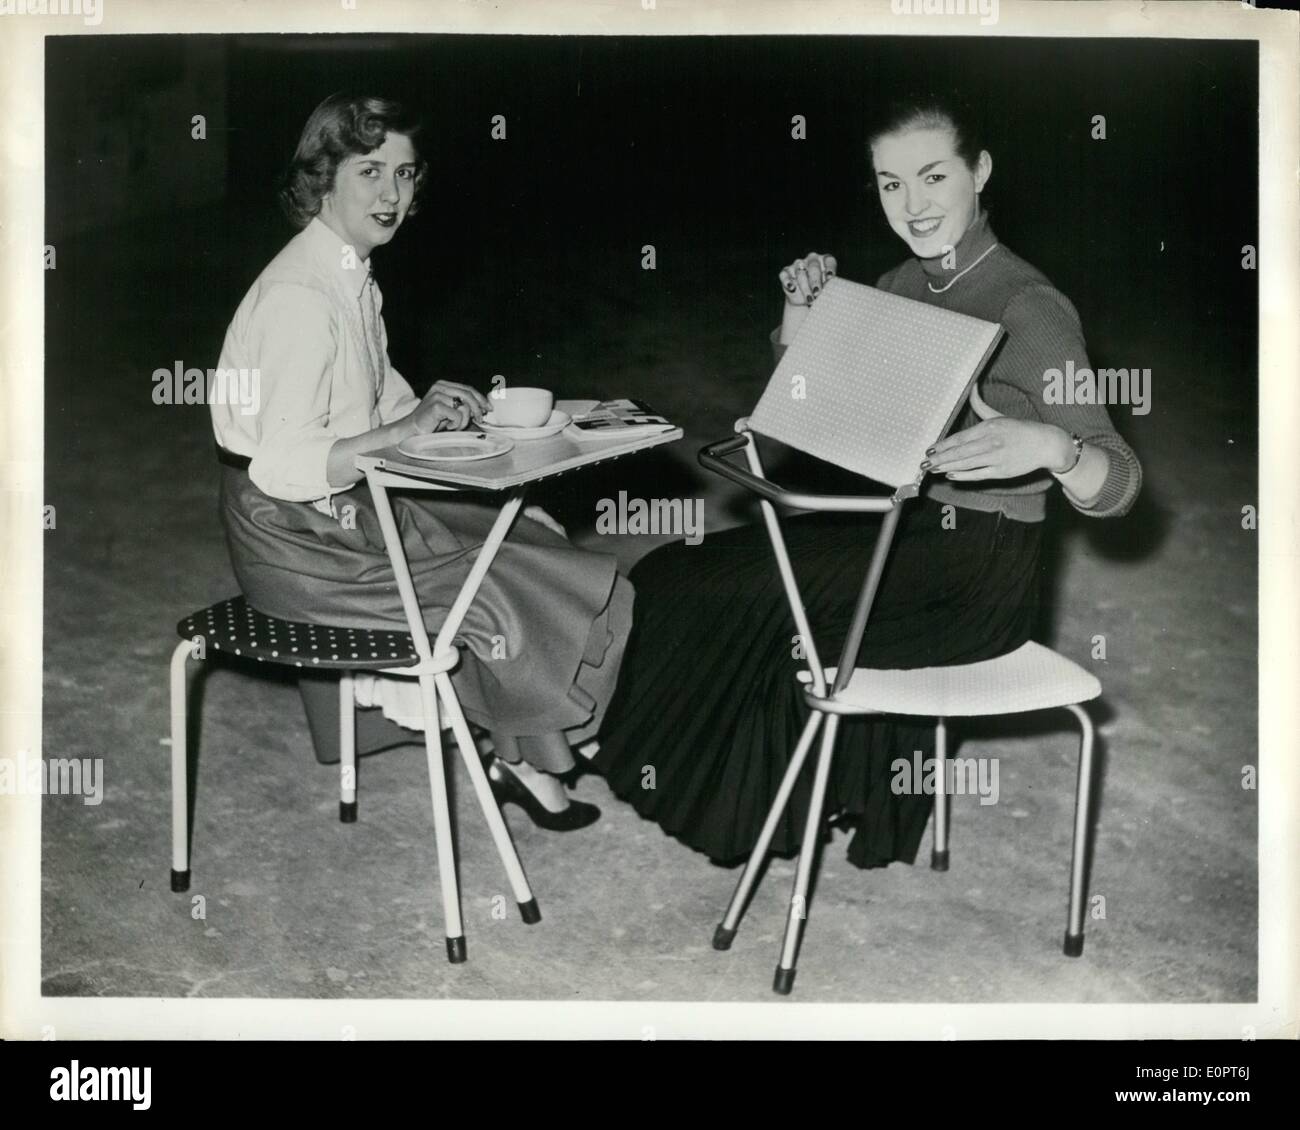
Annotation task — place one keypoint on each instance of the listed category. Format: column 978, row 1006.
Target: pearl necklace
column 940, row 289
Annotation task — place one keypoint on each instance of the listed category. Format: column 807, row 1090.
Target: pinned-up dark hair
column 342, row 126
column 931, row 108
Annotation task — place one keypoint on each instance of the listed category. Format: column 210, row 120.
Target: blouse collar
column 328, row 249
column 976, row 241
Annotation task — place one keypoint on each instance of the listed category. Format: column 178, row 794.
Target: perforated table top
column 872, row 379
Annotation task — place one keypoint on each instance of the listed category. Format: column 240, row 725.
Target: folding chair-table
column 508, row 476
column 231, row 627
column 871, row 381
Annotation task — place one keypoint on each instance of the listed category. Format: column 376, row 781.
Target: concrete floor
column 299, row 905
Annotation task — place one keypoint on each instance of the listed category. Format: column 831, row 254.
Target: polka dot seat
column 234, row 627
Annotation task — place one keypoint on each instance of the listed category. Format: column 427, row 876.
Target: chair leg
column 783, row 981
column 180, row 770
column 347, row 750
column 442, row 823
column 939, row 853
column 726, row 931
column 528, row 909
column 1079, row 855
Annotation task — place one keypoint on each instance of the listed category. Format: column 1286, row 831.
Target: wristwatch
column 1077, row 440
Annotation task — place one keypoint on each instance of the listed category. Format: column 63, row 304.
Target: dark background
column 525, row 261
column 683, row 143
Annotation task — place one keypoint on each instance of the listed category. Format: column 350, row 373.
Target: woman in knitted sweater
column 707, row 697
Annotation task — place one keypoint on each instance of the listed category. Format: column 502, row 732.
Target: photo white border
column 25, row 1014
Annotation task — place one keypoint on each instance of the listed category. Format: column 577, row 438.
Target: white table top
column 528, row 461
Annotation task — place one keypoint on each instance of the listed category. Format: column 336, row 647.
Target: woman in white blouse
column 304, row 539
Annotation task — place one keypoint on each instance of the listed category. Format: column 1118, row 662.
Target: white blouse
column 311, row 327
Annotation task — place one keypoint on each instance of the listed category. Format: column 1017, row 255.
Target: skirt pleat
column 708, row 711
column 541, row 643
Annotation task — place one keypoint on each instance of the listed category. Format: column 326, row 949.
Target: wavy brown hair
column 342, row 126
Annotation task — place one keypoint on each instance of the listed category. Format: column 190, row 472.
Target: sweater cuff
column 1123, row 480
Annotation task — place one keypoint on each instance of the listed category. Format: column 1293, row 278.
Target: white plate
column 454, row 447
column 556, row 424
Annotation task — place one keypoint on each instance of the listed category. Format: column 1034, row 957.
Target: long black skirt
column 707, row 697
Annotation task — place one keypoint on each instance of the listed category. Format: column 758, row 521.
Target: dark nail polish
column 926, row 465
column 929, row 451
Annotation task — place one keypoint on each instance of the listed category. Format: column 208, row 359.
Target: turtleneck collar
column 975, row 241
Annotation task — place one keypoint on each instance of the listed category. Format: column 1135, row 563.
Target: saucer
column 556, row 424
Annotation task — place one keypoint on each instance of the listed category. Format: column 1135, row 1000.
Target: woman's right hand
column 803, row 279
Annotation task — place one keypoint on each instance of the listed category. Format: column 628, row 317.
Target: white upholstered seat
column 1032, row 677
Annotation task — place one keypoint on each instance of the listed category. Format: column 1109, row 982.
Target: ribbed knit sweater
column 1042, row 333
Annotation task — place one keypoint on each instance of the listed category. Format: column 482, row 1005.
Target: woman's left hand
column 475, row 403
column 1000, row 448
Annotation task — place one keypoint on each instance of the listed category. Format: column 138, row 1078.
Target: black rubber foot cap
column 783, row 982
column 348, row 811
column 939, row 860
column 180, row 880
column 530, row 912
column 722, row 938
column 1073, row 945
column 456, row 950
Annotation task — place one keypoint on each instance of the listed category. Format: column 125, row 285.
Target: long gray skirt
column 542, row 642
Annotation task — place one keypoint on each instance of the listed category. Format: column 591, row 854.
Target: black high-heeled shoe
column 509, row 789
